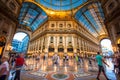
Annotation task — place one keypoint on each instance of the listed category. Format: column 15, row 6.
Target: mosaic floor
column 59, row 75
column 71, row 71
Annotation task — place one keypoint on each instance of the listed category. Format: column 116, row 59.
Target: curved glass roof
column 61, row 4
column 31, row 15
column 92, row 17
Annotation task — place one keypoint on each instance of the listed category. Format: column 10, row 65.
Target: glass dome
column 61, row 4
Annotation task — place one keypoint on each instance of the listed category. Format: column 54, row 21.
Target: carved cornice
column 112, row 16
column 7, row 12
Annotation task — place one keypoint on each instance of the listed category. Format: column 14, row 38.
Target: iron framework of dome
column 31, row 15
column 61, row 4
column 89, row 15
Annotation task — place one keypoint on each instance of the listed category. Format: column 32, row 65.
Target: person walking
column 115, row 62
column 18, row 66
column 56, row 59
column 100, row 62
column 4, row 68
column 118, row 60
column 76, row 58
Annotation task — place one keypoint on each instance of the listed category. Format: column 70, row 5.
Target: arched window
column 52, row 25
column 60, row 25
column 51, row 40
column 60, row 40
column 69, row 25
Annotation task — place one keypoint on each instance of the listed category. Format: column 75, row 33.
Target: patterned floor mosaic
column 60, row 76
column 82, row 75
column 39, row 74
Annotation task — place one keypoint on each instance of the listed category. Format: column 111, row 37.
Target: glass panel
column 92, row 18
column 28, row 16
column 61, row 4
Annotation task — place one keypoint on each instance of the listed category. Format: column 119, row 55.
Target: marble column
column 64, row 44
column 56, row 44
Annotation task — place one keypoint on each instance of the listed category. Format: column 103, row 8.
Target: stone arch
column 69, row 48
column 103, row 39
column 60, row 48
column 51, row 48
column 24, row 31
column 20, row 43
column 107, row 47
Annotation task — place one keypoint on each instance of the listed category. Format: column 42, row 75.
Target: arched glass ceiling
column 31, row 15
column 61, row 4
column 92, row 17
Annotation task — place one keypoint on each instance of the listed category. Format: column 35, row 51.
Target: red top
column 19, row 61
